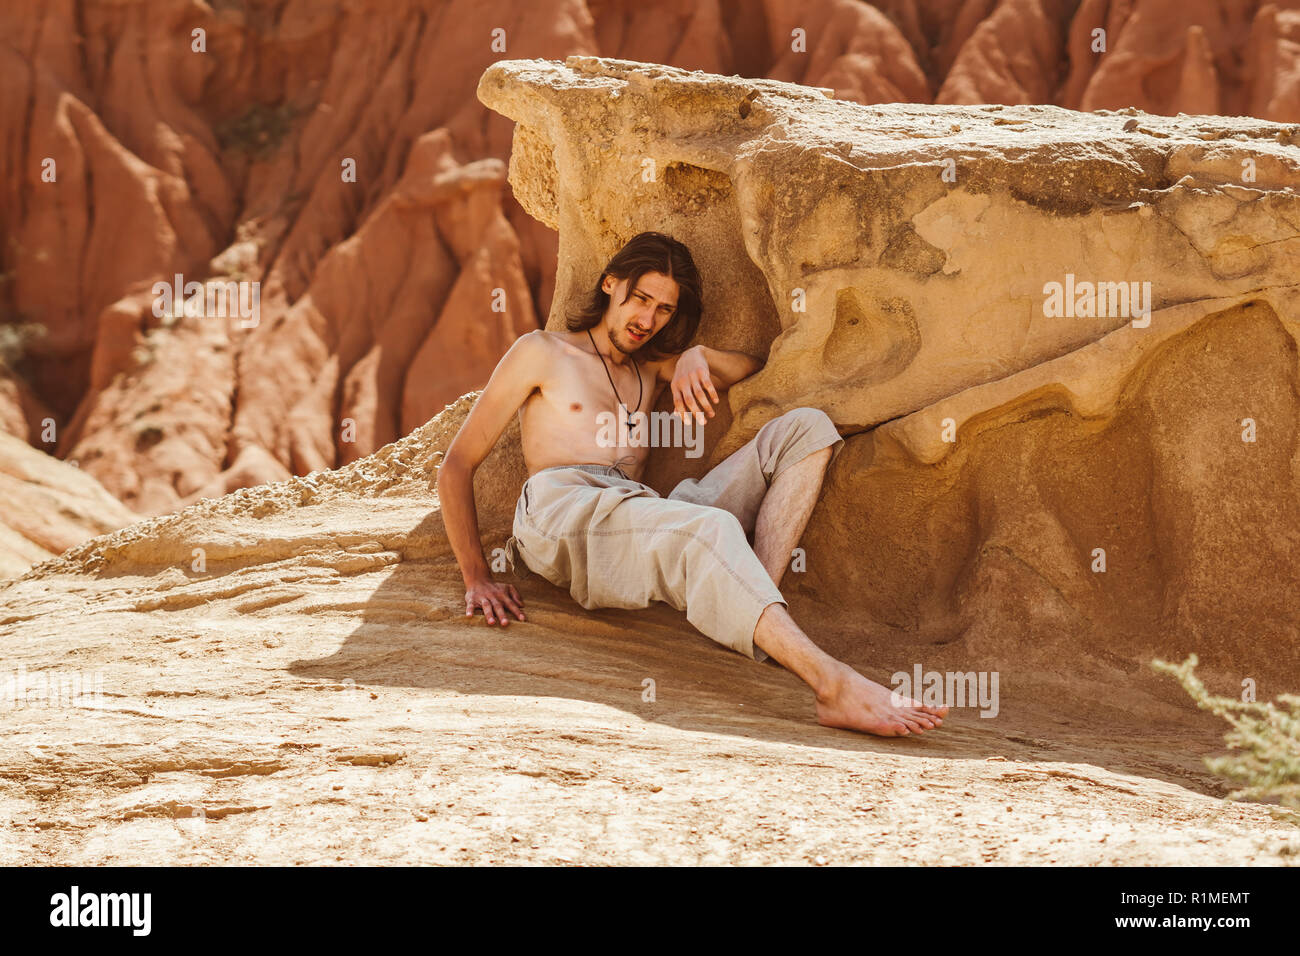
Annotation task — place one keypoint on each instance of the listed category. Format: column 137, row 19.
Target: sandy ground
column 337, row 708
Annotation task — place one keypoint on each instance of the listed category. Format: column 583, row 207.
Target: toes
column 915, row 716
column 933, row 714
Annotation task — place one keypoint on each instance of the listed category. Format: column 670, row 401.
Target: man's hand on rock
column 494, row 598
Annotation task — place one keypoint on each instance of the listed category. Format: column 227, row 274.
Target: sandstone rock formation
column 893, row 264
column 50, row 506
column 335, row 155
column 285, row 674
column 211, row 142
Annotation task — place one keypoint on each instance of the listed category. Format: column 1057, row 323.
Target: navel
column 575, row 407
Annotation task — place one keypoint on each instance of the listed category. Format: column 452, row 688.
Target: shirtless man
column 586, row 523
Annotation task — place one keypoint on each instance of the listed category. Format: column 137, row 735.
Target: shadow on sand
column 414, row 634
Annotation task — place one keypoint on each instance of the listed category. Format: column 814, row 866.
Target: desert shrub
column 15, row 338
column 1265, row 736
column 259, row 130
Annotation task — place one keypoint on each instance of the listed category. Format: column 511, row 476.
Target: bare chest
column 583, row 389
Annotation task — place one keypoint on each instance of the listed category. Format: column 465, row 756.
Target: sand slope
column 317, row 697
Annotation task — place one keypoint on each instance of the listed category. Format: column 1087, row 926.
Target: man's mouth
column 637, row 336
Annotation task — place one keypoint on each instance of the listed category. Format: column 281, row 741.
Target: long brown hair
column 650, row 252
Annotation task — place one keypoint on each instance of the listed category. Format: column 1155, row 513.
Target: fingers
column 495, row 605
column 474, row 602
column 702, row 397
column 713, row 392
column 684, row 401
column 694, row 395
column 513, row 604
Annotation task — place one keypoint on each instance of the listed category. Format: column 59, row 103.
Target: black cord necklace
column 639, row 387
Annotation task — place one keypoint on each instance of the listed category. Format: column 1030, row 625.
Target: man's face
column 633, row 323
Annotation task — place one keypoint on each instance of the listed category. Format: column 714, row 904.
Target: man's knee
column 808, row 419
column 794, row 433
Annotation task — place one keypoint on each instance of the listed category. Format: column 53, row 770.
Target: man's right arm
column 517, row 375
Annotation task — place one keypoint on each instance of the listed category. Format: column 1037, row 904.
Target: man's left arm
column 699, row 373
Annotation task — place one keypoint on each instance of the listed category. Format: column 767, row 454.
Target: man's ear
column 608, row 285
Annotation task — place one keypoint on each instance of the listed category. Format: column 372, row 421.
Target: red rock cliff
column 336, row 155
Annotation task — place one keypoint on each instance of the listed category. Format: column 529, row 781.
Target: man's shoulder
column 535, row 345
column 538, row 354
column 539, row 339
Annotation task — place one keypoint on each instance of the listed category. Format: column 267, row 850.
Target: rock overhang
column 897, row 254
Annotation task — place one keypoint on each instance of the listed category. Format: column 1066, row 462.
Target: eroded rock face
column 225, row 164
column 50, row 506
column 1016, row 485
column 263, row 650
column 896, row 265
column 334, row 154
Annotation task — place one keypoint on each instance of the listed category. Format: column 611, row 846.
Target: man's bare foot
column 852, row 702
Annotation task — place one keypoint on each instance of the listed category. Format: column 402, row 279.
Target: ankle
column 831, row 680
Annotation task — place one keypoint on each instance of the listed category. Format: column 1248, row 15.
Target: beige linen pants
column 615, row 543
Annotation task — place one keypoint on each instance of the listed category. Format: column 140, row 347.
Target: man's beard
column 633, row 347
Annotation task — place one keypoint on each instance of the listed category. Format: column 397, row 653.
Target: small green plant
column 15, row 337
column 1267, row 736
column 259, row 130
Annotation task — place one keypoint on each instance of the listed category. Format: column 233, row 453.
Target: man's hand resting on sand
column 494, row 598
